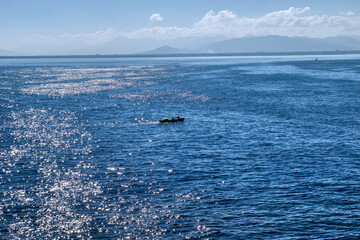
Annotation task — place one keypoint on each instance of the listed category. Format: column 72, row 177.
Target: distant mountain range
column 123, row 45
column 268, row 44
column 196, row 45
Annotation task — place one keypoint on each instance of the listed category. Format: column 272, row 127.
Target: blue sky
column 97, row 21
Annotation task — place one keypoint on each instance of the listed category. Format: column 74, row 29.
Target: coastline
column 186, row 55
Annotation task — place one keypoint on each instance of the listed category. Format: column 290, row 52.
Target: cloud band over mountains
column 290, row 22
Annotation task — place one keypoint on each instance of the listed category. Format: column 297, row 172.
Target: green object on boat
column 177, row 119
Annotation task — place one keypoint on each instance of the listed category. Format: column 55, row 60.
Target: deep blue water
column 270, row 148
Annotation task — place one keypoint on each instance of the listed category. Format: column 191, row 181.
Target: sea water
column 269, row 149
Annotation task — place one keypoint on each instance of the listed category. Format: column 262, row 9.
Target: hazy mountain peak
column 165, row 50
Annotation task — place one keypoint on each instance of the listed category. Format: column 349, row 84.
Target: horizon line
column 141, row 55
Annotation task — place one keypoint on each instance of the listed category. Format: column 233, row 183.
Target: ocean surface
column 269, row 149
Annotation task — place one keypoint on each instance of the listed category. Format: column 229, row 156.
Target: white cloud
column 37, row 37
column 92, row 38
column 97, row 37
column 348, row 13
column 156, row 17
column 160, row 33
